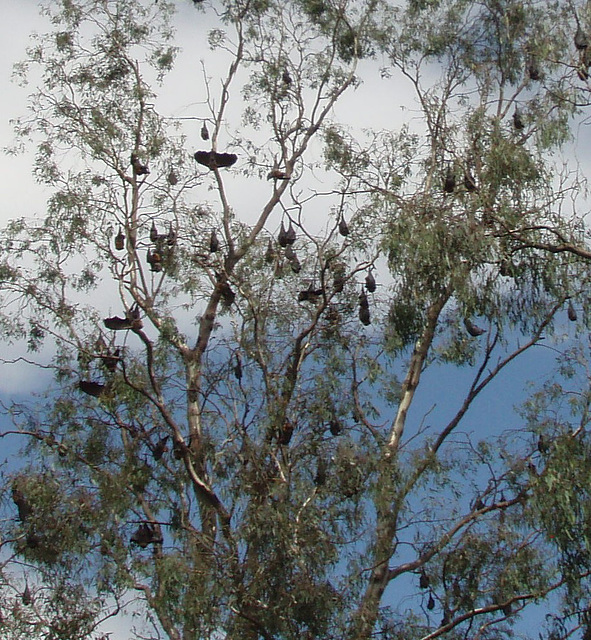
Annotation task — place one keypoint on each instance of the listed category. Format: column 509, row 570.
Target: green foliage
column 238, row 434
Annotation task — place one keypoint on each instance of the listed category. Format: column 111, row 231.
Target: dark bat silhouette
column 214, row 160
column 120, row 240
column 270, row 253
column 370, row 282
column 335, row 427
column 282, row 237
column 139, row 169
column 160, row 448
column 469, row 181
column 449, row 183
column 343, row 227
column 290, row 234
column 24, row 508
column 238, row 368
column 111, row 360
column 518, row 122
column 364, row 316
column 472, row 329
column 424, row 580
column 363, row 301
column 145, row 535
column 132, row 320
column 214, row 243
column 310, row 294
column 95, row 389
column 581, row 39
column 154, row 232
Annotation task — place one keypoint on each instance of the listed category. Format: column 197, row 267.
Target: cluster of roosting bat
column 160, row 251
column 286, row 239
column 162, row 246
column 145, row 534
column 35, row 539
column 581, row 41
column 108, row 358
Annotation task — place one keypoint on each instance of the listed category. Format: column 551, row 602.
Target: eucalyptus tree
column 232, row 443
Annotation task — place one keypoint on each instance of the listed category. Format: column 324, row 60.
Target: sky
column 375, row 104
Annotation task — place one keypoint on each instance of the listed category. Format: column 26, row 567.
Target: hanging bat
column 228, row 295
column 543, row 445
column 335, row 427
column 204, row 132
column 171, row 236
column 139, row 169
column 533, row 71
column 24, row 508
column 290, row 234
column 581, row 39
column 145, row 534
column 364, row 316
column 343, row 227
column 320, row 477
column 286, row 78
column 33, row 541
column 284, row 436
column 178, row 449
column 120, row 240
column 449, row 184
column 155, row 261
column 282, row 237
column 338, row 282
column 473, row 329
column 370, row 282
column 111, row 360
column 27, row 597
column 270, row 253
column 238, row 368
column 424, row 580
column 153, row 257
column 160, row 448
column 469, row 181
column 172, row 178
column 363, row 301
column 213, row 160
column 518, row 120
column 214, row 243
column 154, row 232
